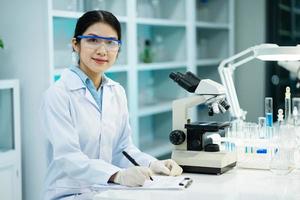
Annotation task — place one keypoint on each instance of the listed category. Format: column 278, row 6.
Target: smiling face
column 95, row 61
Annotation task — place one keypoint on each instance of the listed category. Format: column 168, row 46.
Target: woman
column 85, row 118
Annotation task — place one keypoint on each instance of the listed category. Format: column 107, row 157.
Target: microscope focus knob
column 177, row 137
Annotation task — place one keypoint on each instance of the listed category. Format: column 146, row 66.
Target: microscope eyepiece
column 173, row 76
column 188, row 81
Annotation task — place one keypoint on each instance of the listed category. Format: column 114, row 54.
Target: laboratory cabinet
column 159, row 37
column 10, row 150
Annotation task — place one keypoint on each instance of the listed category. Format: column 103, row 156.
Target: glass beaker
column 282, row 161
column 250, row 133
column 297, row 149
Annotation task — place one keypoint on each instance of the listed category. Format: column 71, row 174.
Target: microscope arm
column 180, row 113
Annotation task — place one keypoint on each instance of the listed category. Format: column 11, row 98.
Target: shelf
column 208, row 62
column 155, row 109
column 120, row 77
column 66, row 14
column 159, row 66
column 213, row 11
column 210, row 25
column 156, row 91
column 161, row 9
column 76, row 15
column 113, row 69
column 212, row 44
column 161, row 44
column 154, row 133
column 118, row 68
column 160, row 22
column 80, row 6
column 159, row 149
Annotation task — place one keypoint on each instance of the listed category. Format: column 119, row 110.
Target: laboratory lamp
column 265, row 52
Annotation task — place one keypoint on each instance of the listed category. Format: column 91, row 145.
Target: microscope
column 195, row 150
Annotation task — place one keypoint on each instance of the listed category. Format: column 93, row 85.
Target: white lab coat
column 85, row 145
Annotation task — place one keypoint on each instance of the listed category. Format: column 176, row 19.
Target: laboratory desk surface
column 238, row 184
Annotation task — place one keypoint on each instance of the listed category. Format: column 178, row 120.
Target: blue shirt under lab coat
column 96, row 93
column 85, row 145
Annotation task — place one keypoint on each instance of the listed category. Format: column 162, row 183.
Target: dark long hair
column 91, row 17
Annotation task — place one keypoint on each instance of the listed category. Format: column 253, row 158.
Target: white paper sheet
column 158, row 183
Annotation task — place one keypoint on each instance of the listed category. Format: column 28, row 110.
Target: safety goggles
column 95, row 41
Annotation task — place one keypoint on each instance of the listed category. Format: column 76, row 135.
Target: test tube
column 262, row 127
column 269, row 116
column 296, row 110
column 269, row 111
column 287, row 103
column 262, row 131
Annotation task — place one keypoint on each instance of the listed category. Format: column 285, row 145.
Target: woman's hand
column 133, row 176
column 168, row 167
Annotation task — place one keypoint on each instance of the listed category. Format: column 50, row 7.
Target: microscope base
column 205, row 162
column 207, row 170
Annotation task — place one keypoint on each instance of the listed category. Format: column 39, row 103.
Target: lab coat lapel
column 107, row 129
column 106, row 100
column 74, row 83
column 91, row 99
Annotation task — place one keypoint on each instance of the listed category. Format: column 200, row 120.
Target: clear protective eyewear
column 95, row 41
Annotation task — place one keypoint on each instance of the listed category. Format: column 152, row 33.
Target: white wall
column 250, row 25
column 23, row 27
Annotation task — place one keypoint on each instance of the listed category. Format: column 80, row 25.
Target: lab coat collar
column 74, row 82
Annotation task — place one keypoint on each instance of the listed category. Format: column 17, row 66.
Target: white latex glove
column 133, row 176
column 168, row 167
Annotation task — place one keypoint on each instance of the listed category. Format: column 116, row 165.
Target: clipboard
column 158, row 183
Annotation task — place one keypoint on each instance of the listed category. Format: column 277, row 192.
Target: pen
column 132, row 161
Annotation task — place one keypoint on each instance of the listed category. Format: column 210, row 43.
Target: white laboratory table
column 236, row 184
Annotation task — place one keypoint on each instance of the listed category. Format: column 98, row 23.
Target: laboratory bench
column 241, row 184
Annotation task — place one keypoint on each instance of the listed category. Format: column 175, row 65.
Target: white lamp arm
column 226, row 70
column 266, row 52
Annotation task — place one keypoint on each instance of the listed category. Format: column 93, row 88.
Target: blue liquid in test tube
column 269, row 116
column 269, row 119
column 269, row 111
